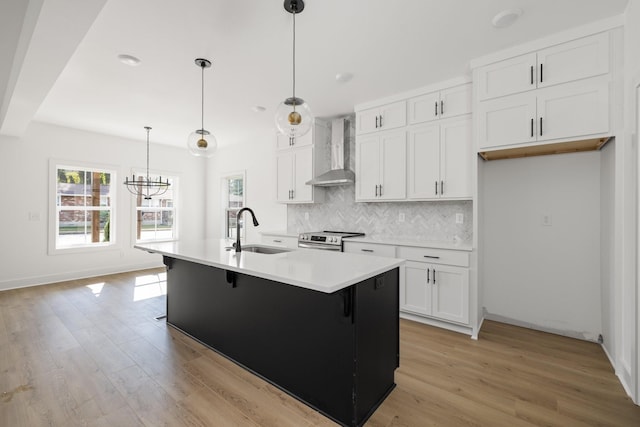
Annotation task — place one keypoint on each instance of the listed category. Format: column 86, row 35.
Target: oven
column 325, row 240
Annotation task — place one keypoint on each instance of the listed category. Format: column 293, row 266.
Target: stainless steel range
column 327, row 240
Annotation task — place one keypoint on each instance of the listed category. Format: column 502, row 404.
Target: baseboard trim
column 467, row 330
column 74, row 275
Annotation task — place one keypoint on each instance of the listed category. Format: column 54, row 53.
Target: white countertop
column 385, row 240
column 319, row 270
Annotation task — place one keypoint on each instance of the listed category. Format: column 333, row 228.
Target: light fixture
column 506, row 17
column 293, row 115
column 201, row 142
column 145, row 186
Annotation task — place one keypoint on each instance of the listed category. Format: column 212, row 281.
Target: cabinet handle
column 380, row 190
column 434, row 276
column 376, row 122
column 441, row 107
column 376, row 191
column 277, row 241
column 436, row 108
column 431, row 256
column 531, row 128
column 532, row 74
column 367, row 250
column 540, row 126
column 428, row 275
column 436, row 188
column 290, row 140
column 540, row 73
column 380, row 121
column 441, row 188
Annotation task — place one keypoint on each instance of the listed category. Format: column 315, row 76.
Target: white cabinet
column 439, row 160
column 578, row 59
column 381, row 118
column 443, row 104
column 294, row 168
column 436, row 283
column 380, row 166
column 569, row 110
column 280, row 240
column 285, row 141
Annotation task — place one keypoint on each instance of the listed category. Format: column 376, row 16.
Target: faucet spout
column 238, row 216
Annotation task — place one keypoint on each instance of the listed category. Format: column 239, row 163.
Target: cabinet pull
column 367, row 250
column 376, row 122
column 277, row 241
column 532, row 74
column 380, row 190
column 436, row 188
column 441, row 188
column 540, row 126
column 290, row 140
column 441, row 107
column 434, row 276
column 541, row 73
column 428, row 275
column 436, row 108
column 380, row 121
column 531, row 128
column 376, row 191
column 431, row 256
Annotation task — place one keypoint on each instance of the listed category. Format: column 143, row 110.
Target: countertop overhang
column 318, row 270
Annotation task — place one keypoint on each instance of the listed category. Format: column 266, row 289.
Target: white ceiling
column 70, row 75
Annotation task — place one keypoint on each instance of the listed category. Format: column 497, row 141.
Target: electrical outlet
column 34, row 216
column 546, row 220
column 306, row 216
column 459, row 218
column 401, row 217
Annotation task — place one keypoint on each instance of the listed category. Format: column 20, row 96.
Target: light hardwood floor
column 88, row 352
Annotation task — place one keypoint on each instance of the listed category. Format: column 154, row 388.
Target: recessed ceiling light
column 129, row 60
column 344, row 77
column 258, row 108
column 506, row 17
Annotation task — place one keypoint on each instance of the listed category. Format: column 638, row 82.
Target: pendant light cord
column 148, row 129
column 202, row 66
column 294, row 60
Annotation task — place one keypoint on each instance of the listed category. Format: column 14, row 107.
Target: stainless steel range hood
column 340, row 156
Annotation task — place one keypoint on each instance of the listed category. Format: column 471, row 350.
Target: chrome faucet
column 238, row 215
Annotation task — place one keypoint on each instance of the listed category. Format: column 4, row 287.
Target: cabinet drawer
column 282, row 241
column 434, row 256
column 370, row 249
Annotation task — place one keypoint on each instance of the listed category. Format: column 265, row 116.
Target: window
column 233, row 194
column 156, row 217
column 84, row 199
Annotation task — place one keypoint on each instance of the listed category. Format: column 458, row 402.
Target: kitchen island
column 322, row 326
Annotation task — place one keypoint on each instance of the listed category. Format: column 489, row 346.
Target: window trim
column 224, row 191
column 175, row 176
column 52, row 240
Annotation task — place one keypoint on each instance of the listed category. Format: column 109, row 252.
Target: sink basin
column 264, row 249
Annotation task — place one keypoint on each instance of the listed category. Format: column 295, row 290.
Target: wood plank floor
column 88, row 352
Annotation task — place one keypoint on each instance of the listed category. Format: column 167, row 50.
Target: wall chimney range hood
column 340, row 156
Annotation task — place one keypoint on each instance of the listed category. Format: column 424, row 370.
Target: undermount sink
column 263, row 249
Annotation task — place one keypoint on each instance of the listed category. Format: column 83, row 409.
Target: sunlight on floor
column 150, row 286
column 96, row 288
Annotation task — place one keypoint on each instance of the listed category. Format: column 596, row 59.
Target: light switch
column 401, row 217
column 459, row 218
column 546, row 220
column 34, row 216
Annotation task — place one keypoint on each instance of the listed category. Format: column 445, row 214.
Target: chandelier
column 145, row 187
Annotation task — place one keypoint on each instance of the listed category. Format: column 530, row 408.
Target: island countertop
column 323, row 271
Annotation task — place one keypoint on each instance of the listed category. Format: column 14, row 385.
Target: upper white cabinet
column 442, row 104
column 285, row 141
column 299, row 163
column 380, row 166
column 439, row 160
column 389, row 116
column 562, row 63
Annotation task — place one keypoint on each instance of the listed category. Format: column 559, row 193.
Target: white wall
column 24, row 164
column 544, row 277
column 257, row 158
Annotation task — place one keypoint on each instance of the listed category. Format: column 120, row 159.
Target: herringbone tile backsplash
column 424, row 221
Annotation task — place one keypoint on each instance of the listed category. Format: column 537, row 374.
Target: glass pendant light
column 201, row 142
column 293, row 115
column 145, row 186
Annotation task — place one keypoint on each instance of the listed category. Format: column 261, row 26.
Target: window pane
column 82, row 227
column 155, row 216
column 236, row 192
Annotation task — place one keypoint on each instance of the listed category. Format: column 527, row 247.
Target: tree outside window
column 156, row 217
column 233, row 201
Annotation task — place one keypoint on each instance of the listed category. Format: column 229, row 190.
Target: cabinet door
column 367, row 167
column 367, row 120
column 508, row 120
column 455, row 158
column 394, row 166
column 507, row 77
column 577, row 59
column 424, row 108
column 284, row 173
column 424, row 161
column 283, row 141
column 574, row 109
column 415, row 292
column 302, row 172
column 450, row 293
column 455, row 101
column 393, row 115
